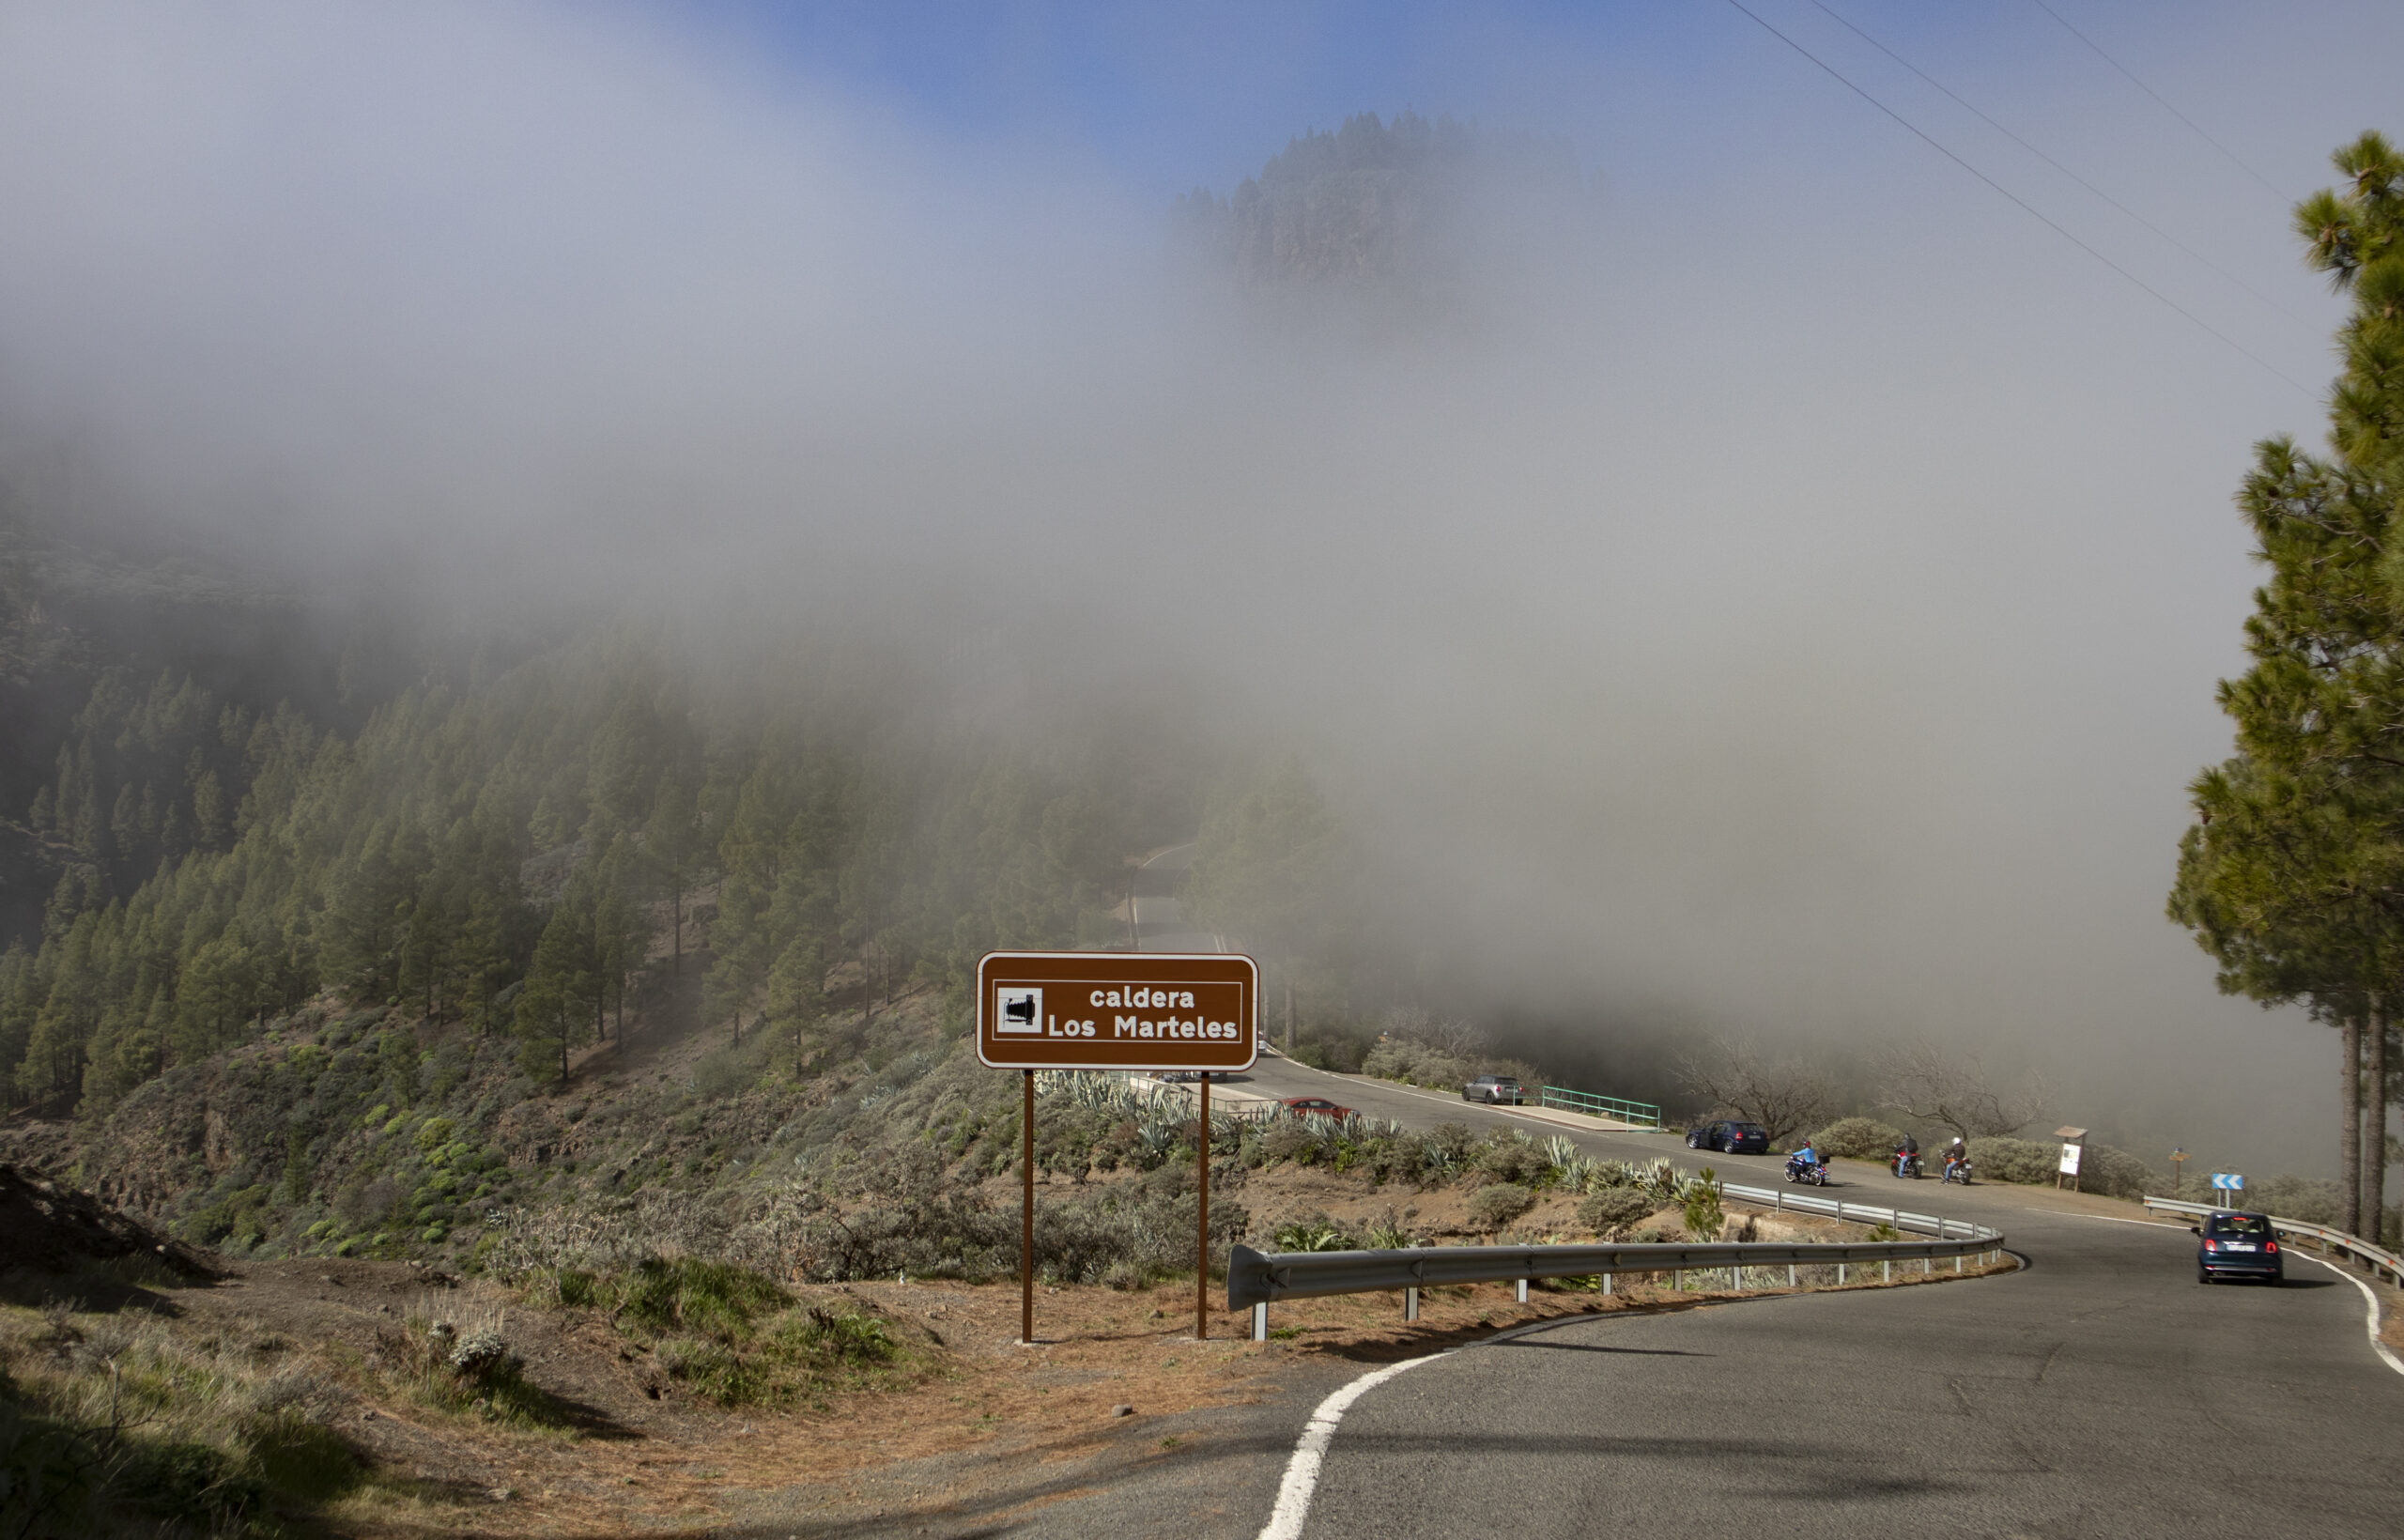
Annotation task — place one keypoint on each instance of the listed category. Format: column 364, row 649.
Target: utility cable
column 2024, row 206
column 2066, row 171
column 2158, row 96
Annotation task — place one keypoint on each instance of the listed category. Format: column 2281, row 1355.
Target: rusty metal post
column 1202, row 1240
column 1026, row 1216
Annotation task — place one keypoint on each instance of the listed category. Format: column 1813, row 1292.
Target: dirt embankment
column 970, row 1424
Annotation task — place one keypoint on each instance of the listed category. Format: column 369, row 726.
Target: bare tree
column 1446, row 1034
column 1784, row 1096
column 1950, row 1087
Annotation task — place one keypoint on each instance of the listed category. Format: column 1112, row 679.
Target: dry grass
column 350, row 1385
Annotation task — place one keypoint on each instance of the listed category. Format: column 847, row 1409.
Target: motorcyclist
column 1806, row 1154
column 1909, row 1149
column 1957, row 1157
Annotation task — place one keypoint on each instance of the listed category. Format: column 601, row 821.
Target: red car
column 1316, row 1106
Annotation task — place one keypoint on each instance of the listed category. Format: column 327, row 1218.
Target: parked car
column 1315, row 1106
column 1730, row 1138
column 2237, row 1245
column 1495, row 1091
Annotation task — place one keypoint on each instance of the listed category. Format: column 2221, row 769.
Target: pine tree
column 2294, row 875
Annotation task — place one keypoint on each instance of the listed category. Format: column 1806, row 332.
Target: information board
column 1117, row 1011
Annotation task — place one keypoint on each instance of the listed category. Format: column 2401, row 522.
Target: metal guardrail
column 1561, row 1099
column 2380, row 1260
column 1255, row 1279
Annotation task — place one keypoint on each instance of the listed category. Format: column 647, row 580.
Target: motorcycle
column 1814, row 1172
column 1958, row 1171
column 1906, row 1163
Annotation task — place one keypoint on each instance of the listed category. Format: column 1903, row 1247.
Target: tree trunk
column 2374, row 1156
column 2349, row 1142
column 676, row 966
column 1289, row 1014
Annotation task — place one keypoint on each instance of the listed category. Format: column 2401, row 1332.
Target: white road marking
column 1310, row 1451
column 2369, row 1298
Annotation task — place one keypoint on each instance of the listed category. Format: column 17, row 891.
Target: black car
column 1495, row 1091
column 2236, row 1245
column 1730, row 1138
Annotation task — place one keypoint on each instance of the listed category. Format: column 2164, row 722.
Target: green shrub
column 1494, row 1207
column 183, row 1480
column 688, row 1294
column 1858, row 1138
column 1508, row 1155
column 2114, row 1173
column 1612, row 1210
column 1700, row 1205
column 1312, row 1233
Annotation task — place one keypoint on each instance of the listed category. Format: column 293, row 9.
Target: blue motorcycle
column 1799, row 1169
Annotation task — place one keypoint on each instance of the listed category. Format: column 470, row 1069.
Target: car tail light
column 2270, row 1248
column 2212, row 1245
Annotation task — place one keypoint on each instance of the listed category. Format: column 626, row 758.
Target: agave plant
column 1311, row 1235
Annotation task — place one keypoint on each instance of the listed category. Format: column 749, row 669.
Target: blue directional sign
column 2227, row 1181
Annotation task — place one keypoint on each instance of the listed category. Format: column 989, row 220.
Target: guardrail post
column 1606, row 1284
column 1957, row 1261
column 1260, row 1322
column 1887, row 1272
column 1523, row 1291
column 1410, row 1303
column 1790, row 1275
column 1840, row 1275
column 1677, row 1280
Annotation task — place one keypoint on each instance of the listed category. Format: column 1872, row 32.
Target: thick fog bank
column 1722, row 622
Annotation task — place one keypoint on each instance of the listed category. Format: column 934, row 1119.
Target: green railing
column 1642, row 1113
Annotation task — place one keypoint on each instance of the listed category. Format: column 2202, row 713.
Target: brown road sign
column 1117, row 1011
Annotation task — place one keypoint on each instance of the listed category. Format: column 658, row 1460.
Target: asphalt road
column 2100, row 1390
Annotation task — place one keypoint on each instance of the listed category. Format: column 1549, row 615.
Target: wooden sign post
column 1116, row 1011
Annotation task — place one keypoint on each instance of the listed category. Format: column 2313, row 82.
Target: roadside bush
column 2289, row 1197
column 1610, row 1210
column 2114, row 1173
column 1700, row 1205
column 688, row 1294
column 1313, row 1232
column 2022, row 1161
column 1508, row 1155
column 1494, row 1207
column 1859, row 1139
column 1416, row 1064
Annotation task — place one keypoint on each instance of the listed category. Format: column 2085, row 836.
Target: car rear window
column 2242, row 1224
column 1748, row 1128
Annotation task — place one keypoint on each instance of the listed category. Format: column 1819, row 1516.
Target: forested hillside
column 510, row 855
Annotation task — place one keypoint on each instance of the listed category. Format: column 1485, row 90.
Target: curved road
column 2100, row 1390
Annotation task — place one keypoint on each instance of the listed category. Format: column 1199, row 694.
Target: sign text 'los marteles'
column 1117, row 1011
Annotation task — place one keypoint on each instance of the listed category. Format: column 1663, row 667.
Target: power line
column 2024, row 206
column 2066, row 171
column 2158, row 96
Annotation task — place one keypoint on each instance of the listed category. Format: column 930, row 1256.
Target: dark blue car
column 2236, row 1245
column 1730, row 1138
